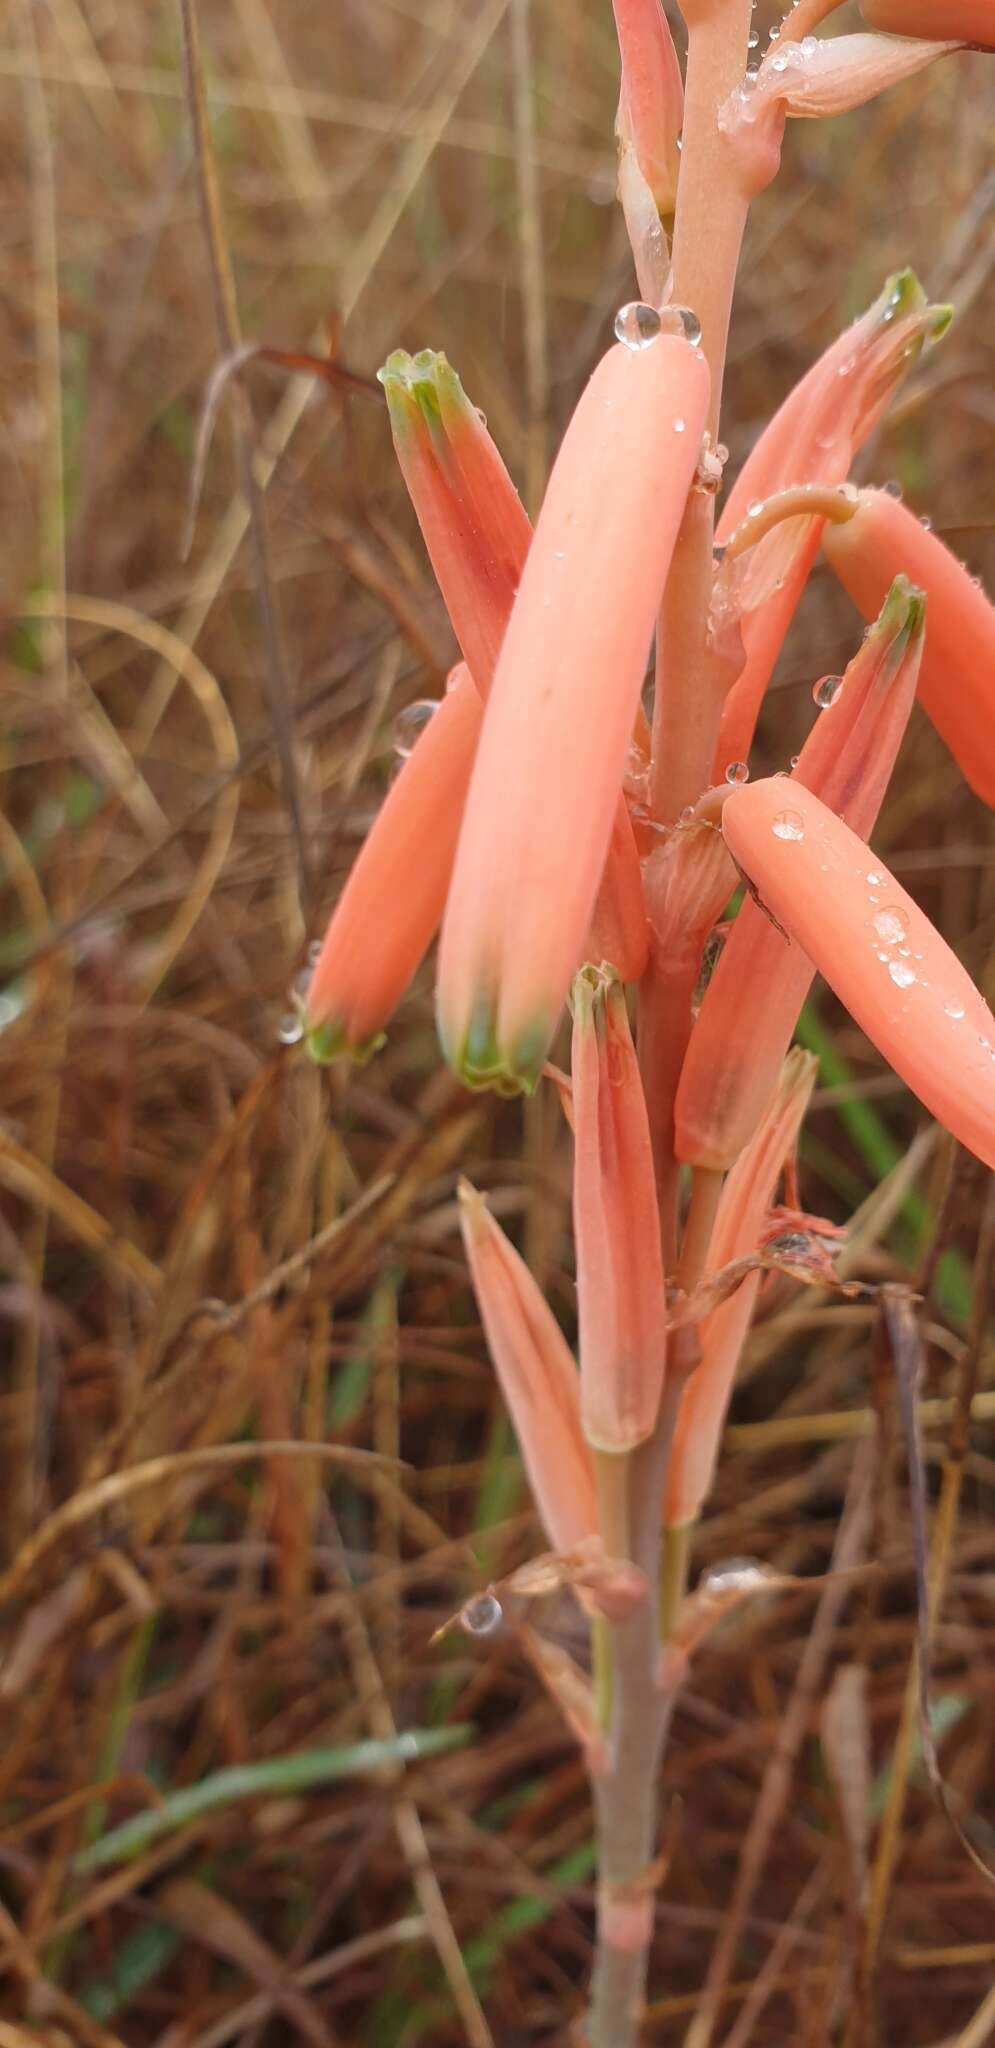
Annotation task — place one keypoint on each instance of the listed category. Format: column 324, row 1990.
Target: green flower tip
column 329, row 1041
column 425, row 385
column 904, row 609
column 482, row 1062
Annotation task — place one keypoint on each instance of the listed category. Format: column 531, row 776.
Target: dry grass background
column 206, row 1243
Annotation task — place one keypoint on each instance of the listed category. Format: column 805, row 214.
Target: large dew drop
column 637, row 325
column 788, row 825
column 737, row 772
column 891, row 926
column 482, row 1616
column 680, row 320
column 954, row 1008
column 410, row 724
column 826, row 691
column 902, row 976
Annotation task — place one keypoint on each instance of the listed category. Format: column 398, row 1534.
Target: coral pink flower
column 957, row 678
column 743, row 1208
column 752, row 1003
column 972, row 21
column 392, row 904
column 622, row 1304
column 619, row 932
column 474, row 524
column 537, row 1373
column 876, row 949
column 560, row 717
column 651, row 102
column 812, row 439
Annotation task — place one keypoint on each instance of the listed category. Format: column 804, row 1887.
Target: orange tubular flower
column 537, row 1374
column 753, row 1000
column 392, row 904
column 622, row 1303
column 474, row 524
column 957, row 678
column 743, row 1206
column 553, row 749
column 876, row 949
column 812, row 439
column 971, row 21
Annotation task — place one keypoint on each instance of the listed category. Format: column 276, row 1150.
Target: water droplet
column 680, row 425
column 681, row 320
column 753, row 39
column 891, row 926
column 795, row 758
column 893, row 489
column 687, row 815
column 875, row 880
column 809, row 45
column 290, row 1029
column 845, row 368
column 481, row 1617
column 826, row 692
column 637, row 324
column 737, row 772
column 926, row 523
column 788, row 825
column 954, row 1008
column 300, row 986
column 410, row 724
column 735, row 1575
column 902, row 976
column 314, row 952
column 754, row 510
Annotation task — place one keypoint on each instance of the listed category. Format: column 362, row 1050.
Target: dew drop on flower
column 788, row 825
column 681, row 320
column 893, row 489
column 482, row 1616
column 891, row 926
column 902, row 976
column 954, row 1008
column 637, row 324
column 679, row 425
column 826, row 691
column 737, row 772
column 300, row 987
column 752, row 39
column 926, row 523
column 795, row 758
column 290, row 1029
column 753, row 511
column 874, row 878
column 410, row 724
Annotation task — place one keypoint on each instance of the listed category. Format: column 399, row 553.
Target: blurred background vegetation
column 209, row 1248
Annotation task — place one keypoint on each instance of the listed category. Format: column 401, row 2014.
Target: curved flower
column 876, row 949
column 474, row 524
column 957, row 677
column 812, row 439
column 538, row 1376
column 621, row 1298
column 743, row 1207
column 559, row 720
column 754, row 998
column 392, row 904
column 651, row 101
